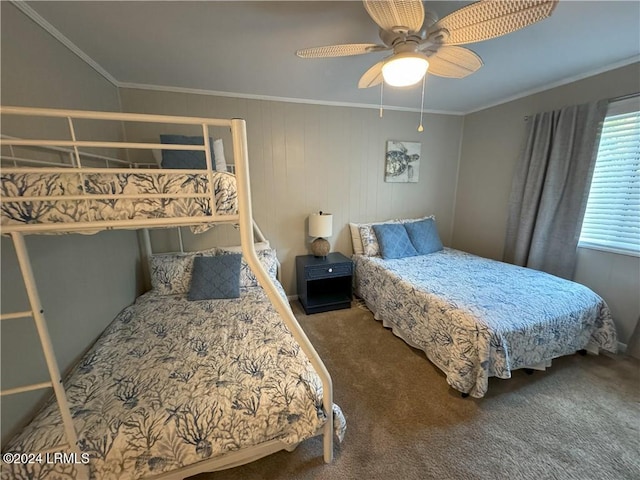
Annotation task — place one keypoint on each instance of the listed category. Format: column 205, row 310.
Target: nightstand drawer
column 327, row 271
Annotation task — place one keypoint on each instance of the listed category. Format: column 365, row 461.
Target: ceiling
column 247, row 49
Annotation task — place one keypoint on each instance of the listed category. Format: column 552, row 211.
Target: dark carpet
column 580, row 419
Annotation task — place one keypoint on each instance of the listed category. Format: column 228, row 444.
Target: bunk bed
column 175, row 385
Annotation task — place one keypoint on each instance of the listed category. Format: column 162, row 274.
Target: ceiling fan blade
column 372, row 77
column 491, row 18
column 340, row 50
column 396, row 15
column 453, row 62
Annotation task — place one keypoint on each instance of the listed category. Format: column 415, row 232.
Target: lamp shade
column 320, row 225
column 405, row 68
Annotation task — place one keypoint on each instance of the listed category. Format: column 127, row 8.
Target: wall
column 83, row 280
column 490, row 148
column 305, row 158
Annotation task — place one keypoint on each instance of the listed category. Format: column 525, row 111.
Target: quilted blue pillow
column 424, row 236
column 394, row 241
column 215, row 277
column 185, row 158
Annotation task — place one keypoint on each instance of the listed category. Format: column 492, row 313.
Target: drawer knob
column 330, row 270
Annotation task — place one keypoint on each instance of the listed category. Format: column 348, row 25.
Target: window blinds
column 612, row 217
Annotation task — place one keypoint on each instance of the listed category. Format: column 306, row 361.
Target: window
column 612, row 218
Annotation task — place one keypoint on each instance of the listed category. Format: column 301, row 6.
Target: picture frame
column 402, row 161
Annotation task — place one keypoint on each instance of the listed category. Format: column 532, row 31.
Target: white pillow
column 356, row 241
column 218, row 152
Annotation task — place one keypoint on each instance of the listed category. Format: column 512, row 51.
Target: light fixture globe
column 405, row 69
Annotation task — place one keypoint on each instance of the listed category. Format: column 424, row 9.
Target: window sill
column 618, row 251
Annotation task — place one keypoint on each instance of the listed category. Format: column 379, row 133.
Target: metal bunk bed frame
column 244, row 219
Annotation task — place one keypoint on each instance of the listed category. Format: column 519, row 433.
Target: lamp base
column 320, row 247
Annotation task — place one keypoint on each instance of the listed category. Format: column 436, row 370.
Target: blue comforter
column 476, row 318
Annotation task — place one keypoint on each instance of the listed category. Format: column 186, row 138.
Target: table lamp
column 320, row 226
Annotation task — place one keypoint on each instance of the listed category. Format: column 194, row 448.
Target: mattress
column 86, row 186
column 173, row 382
column 476, row 318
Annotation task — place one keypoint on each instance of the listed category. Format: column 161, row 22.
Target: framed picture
column 402, row 161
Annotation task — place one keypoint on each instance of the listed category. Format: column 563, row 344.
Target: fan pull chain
column 381, row 92
column 424, row 81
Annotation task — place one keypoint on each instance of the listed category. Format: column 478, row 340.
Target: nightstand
column 324, row 283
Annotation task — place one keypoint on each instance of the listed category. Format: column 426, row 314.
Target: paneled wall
column 305, row 158
column 84, row 281
column 490, row 149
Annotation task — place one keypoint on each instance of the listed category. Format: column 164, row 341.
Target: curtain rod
column 614, row 99
column 624, row 97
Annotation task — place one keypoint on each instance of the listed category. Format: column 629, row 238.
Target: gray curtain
column 551, row 186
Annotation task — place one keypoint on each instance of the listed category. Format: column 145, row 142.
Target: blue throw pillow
column 185, row 158
column 394, row 241
column 215, row 277
column 424, row 236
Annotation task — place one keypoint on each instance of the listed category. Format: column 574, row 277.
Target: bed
column 63, row 196
column 172, row 382
column 208, row 370
column 477, row 318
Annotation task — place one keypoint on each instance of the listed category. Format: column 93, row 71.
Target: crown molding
column 559, row 83
column 250, row 96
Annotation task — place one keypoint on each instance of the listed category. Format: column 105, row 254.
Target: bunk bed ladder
column 37, row 313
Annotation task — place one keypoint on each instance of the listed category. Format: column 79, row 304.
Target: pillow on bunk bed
column 424, row 236
column 218, row 153
column 185, row 158
column 215, row 277
column 171, row 272
column 394, row 241
column 267, row 257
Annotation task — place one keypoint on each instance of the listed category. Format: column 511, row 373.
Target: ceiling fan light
column 405, row 69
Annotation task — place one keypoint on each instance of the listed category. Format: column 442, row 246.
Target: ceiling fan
column 420, row 41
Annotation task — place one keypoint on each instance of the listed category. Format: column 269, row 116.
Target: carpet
column 580, row 419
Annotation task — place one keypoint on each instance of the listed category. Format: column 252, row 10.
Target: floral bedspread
column 88, row 185
column 172, row 382
column 476, row 318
